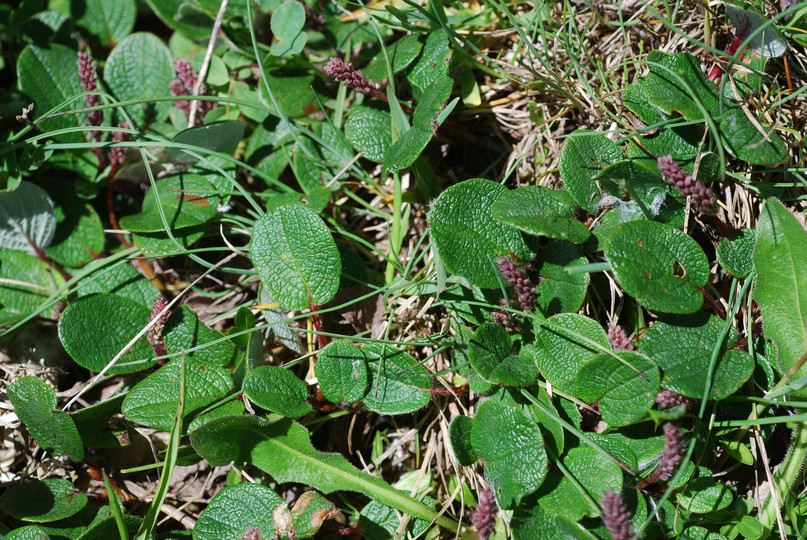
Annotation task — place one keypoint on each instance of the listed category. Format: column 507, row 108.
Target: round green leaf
column 49, row 76
column 749, row 141
column 459, row 432
column 583, row 156
column 292, row 90
column 625, row 390
column 734, row 252
column 676, row 84
column 560, row 497
column 188, row 200
column 184, row 332
column 236, row 511
column 531, row 521
column 295, row 257
column 154, row 401
column 79, row 236
column 94, row 329
column 560, row 291
column 401, row 54
column 541, row 211
column 489, row 354
column 278, row 390
column 513, row 448
column 27, row 219
column 29, row 532
column 140, row 67
column 51, row 499
column 398, row 383
column 468, row 238
column 29, row 282
column 660, row 266
column 369, row 130
column 559, row 352
column 704, row 495
column 121, row 279
column 682, row 348
column 158, row 244
column 432, row 64
column 35, row 405
column 110, row 22
column 287, row 24
column 222, row 137
column 342, row 372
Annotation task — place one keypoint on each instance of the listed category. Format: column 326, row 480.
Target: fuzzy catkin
column 517, row 277
column 346, row 73
column 187, row 78
column 615, row 516
column 155, row 333
column 701, row 196
column 89, row 83
column 673, row 453
column 618, row 338
column 484, row 518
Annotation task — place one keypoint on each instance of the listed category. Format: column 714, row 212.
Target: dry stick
column 145, row 330
column 206, row 62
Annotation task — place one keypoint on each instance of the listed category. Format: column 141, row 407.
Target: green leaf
column 295, row 257
column 583, row 156
column 139, row 68
column 513, row 448
column 27, row 219
column 750, row 140
column 559, row 354
column 369, row 130
column 79, row 236
column 625, row 391
column 781, row 287
column 459, row 432
column 380, row 522
column 595, row 472
column 184, row 331
column 283, row 449
column 98, row 426
column 29, row 532
column 309, row 511
column 94, row 329
column 278, row 320
column 541, row 211
column 174, row 13
column 158, row 244
column 632, row 179
column 342, row 372
column 237, row 509
column 28, row 282
column 682, row 348
column 108, row 528
column 531, row 521
column 432, row 65
column 35, row 405
column 560, row 291
column 287, row 24
column 49, row 76
column 660, row 266
column 278, row 390
column 677, row 84
column 153, row 402
column 769, row 42
column 51, row 499
column 222, row 137
column 424, row 123
column 110, row 22
column 489, row 354
column 467, row 236
column 735, row 252
column 122, row 279
column 291, row 87
column 188, row 200
column 398, row 383
column 704, row 495
column 401, row 54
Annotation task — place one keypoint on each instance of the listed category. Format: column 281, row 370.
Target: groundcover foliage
column 293, row 269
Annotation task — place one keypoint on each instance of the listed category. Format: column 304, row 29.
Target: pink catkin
column 155, row 333
column 183, row 86
column 117, row 154
column 701, row 196
column 618, row 338
column 615, row 516
column 517, row 277
column 89, row 83
column 500, row 316
column 667, row 399
column 484, row 518
column 346, row 73
column 673, row 453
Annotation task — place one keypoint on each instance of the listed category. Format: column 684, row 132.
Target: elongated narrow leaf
column 283, row 449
